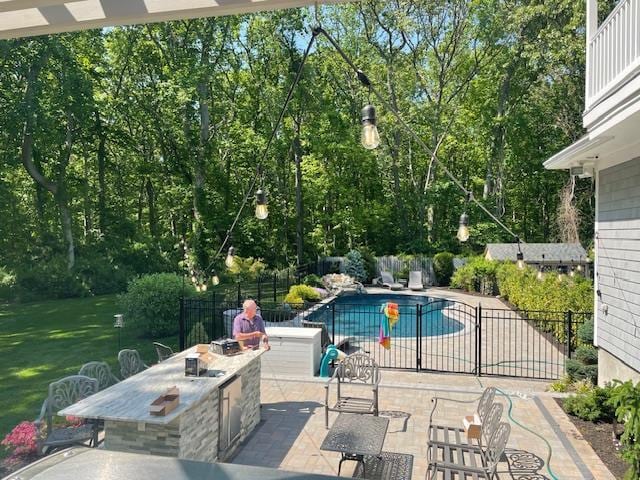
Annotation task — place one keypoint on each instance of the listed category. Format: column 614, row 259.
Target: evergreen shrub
column 592, row 405
column 152, row 303
column 443, row 267
column 354, row 266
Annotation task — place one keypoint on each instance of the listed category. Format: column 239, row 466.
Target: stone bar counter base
column 189, row 432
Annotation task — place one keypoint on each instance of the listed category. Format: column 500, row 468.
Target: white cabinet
column 295, row 352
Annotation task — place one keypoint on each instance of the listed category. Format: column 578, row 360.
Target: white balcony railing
column 614, row 51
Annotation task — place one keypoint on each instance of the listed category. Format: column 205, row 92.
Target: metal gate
column 439, row 336
column 448, row 337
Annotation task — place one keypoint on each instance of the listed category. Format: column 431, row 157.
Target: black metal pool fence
column 436, row 336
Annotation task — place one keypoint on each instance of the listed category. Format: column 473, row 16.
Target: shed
column 542, row 255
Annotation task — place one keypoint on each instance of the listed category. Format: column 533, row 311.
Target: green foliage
column 625, row 398
column 587, row 354
column 294, row 300
column 370, row 263
column 585, row 332
column 103, row 277
column 478, row 274
column 152, row 302
column 247, row 269
column 7, row 284
column 313, row 280
column 579, row 371
column 49, row 280
column 305, row 292
column 562, row 385
column 354, row 266
column 443, row 267
column 198, row 334
column 591, row 405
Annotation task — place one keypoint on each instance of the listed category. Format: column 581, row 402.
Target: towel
column 389, row 319
column 384, row 338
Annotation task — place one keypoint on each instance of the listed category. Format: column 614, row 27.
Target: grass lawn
column 44, row 341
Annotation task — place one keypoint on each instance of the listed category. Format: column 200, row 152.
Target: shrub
column 579, row 371
column 313, row 280
column 152, row 302
column 585, row 331
column 294, row 300
column 198, row 334
column 443, row 267
column 7, row 284
column 592, row 405
column 561, row 385
column 354, row 266
column 305, row 292
column 587, row 354
column 478, row 274
column 370, row 263
column 102, row 277
column 625, row 398
column 49, row 279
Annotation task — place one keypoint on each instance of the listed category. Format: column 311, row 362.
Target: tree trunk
column 151, row 202
column 26, row 155
column 297, row 156
column 102, row 185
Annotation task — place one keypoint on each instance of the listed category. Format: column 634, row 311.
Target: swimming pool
column 359, row 315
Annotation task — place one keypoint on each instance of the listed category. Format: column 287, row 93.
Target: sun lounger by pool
column 387, row 280
column 415, row 280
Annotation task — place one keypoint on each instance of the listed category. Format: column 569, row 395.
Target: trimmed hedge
column 523, row 290
column 152, row 303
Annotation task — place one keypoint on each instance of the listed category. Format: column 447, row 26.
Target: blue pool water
column 360, row 315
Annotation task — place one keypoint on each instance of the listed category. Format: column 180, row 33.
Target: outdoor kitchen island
column 192, row 430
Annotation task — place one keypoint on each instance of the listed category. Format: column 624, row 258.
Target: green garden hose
column 509, row 414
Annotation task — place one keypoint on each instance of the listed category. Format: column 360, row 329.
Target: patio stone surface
column 292, row 426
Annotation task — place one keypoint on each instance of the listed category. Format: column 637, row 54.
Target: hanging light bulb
column 203, row 287
column 370, row 137
column 215, row 280
column 559, row 273
column 198, row 288
column 540, row 274
column 262, row 211
column 572, row 272
column 520, row 258
column 193, row 279
column 579, row 268
column 463, row 229
column 230, row 260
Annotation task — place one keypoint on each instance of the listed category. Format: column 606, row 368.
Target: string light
column 230, row 260
column 370, row 137
column 262, row 212
column 463, row 228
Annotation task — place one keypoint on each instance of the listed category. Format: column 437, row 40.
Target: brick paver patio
column 292, row 426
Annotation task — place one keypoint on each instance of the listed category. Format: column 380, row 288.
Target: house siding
column 618, row 267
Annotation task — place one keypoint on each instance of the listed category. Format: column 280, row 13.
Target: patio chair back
column 491, row 422
column 325, row 340
column 66, row 392
column 415, row 279
column 358, row 367
column 485, row 402
column 386, row 277
column 101, row 372
column 163, row 351
column 130, row 363
column 496, row 446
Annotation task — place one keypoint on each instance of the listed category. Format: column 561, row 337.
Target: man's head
column 249, row 307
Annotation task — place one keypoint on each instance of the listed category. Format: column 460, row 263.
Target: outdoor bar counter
column 192, row 430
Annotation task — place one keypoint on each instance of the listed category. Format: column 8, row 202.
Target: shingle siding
column 618, row 251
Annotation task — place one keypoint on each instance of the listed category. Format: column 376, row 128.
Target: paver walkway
column 292, row 426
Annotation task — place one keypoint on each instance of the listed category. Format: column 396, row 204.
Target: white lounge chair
column 387, row 280
column 415, row 280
